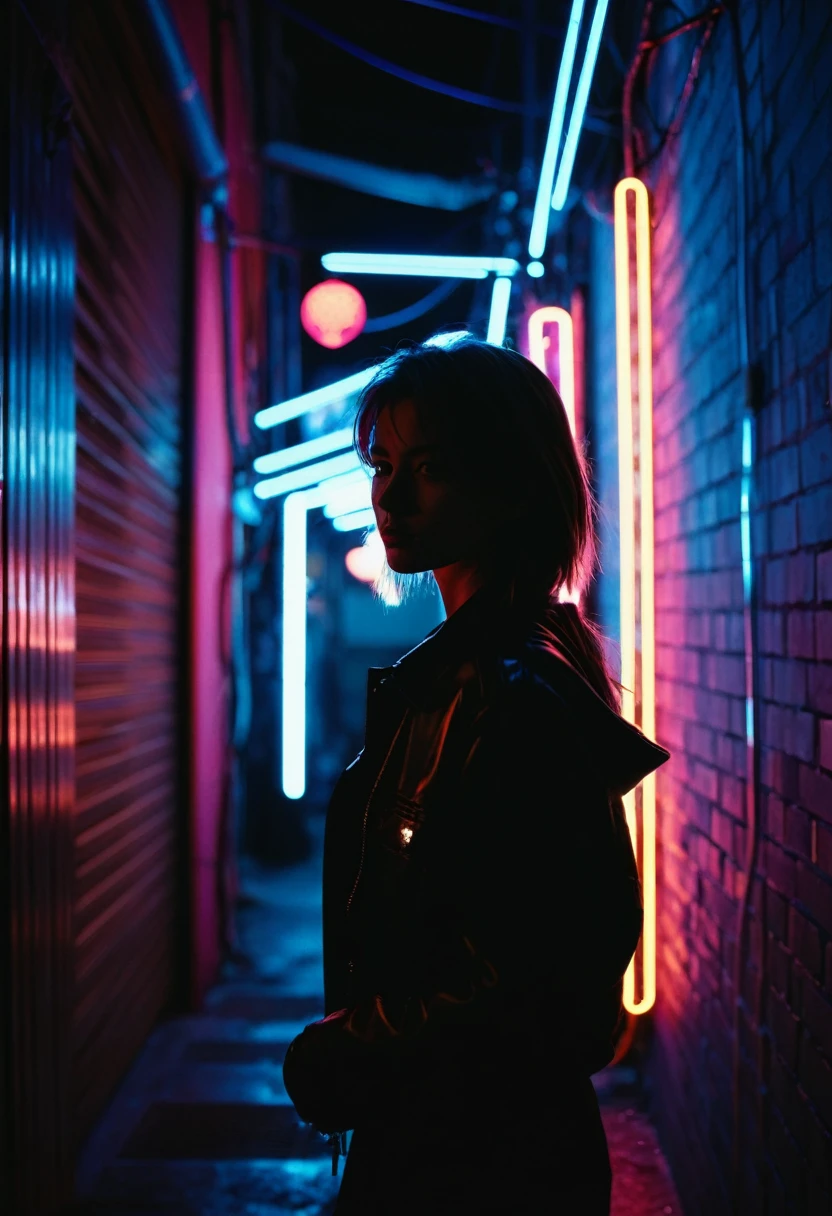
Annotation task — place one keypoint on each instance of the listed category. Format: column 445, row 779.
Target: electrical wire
column 506, row 23
column 394, row 69
column 413, row 311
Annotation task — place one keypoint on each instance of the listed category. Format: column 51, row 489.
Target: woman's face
column 429, row 514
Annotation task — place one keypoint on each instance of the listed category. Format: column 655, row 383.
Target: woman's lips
column 391, row 537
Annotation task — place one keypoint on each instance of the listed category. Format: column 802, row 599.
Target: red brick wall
column 787, row 996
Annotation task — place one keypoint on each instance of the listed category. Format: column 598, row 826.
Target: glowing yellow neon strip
column 566, row 353
column 626, row 480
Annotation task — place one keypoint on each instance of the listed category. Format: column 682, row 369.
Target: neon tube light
column 273, row 415
column 294, row 645
column 540, row 217
column 538, row 345
column 626, row 479
column 355, row 519
column 446, row 339
column 295, row 407
column 576, row 119
column 273, row 462
column 498, row 317
column 293, row 725
column 349, row 498
column 431, row 265
column 309, row 475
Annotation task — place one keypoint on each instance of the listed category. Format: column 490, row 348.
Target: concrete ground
column 202, row 1126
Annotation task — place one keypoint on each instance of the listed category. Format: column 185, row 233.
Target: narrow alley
column 202, row 1125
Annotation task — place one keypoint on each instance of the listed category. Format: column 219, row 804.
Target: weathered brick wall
column 787, row 1009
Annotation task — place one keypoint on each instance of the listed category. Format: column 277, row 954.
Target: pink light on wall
column 333, row 313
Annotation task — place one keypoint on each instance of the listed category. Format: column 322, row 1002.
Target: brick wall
column 786, row 1029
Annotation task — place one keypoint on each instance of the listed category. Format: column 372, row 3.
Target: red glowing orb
column 333, row 313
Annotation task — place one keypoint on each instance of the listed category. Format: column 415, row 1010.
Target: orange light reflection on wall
column 627, row 474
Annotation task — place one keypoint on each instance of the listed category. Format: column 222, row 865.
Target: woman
column 481, row 900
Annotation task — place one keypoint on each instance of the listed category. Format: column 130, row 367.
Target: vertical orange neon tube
column 626, row 478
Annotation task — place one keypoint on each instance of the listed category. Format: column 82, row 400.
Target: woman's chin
column 402, row 562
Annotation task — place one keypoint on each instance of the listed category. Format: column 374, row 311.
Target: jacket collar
column 490, row 622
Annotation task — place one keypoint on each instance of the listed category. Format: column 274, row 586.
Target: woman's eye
column 430, row 469
column 380, row 468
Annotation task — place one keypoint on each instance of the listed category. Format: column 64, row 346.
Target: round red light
column 333, row 313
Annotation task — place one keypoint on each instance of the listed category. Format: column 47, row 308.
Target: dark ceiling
column 343, row 105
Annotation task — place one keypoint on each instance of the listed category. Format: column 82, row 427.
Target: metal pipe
column 208, row 160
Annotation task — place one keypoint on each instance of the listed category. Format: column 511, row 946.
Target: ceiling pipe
column 419, row 189
column 205, row 152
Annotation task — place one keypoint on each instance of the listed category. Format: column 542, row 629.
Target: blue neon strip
column 435, row 266
column 540, row 217
column 273, row 415
column 498, row 317
column 310, row 475
column 354, row 519
column 349, row 498
column 446, row 339
column 576, row 120
column 273, row 462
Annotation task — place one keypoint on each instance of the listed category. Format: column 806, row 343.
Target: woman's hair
column 509, row 432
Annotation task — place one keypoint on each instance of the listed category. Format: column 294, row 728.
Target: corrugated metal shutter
column 37, row 460
column 130, row 218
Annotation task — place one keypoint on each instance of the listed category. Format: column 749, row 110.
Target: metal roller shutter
column 130, row 218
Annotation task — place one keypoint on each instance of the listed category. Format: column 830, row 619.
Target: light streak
column 299, row 453
column 498, row 316
column 576, row 119
column 446, row 339
column 540, row 217
column 626, row 478
column 434, row 266
column 273, row 415
column 354, row 519
column 349, row 498
column 309, row 475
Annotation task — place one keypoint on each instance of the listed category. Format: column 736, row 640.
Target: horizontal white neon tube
column 273, row 415
column 299, row 453
column 330, row 486
column 433, row 266
column 349, row 498
column 576, row 119
column 542, row 204
column 354, row 519
column 498, row 317
column 293, row 717
column 309, row 475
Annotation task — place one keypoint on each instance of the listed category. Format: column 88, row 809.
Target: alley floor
column 203, row 1126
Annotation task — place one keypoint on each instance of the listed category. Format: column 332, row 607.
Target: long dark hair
column 508, row 426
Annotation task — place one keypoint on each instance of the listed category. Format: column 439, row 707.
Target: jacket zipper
column 367, row 815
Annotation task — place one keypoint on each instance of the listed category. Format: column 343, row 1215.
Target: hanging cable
column 394, row 69
column 404, row 316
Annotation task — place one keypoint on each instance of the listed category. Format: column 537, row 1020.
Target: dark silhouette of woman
column 481, row 898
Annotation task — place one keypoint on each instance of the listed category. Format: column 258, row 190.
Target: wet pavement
column 202, row 1126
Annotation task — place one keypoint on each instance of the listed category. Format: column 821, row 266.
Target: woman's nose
column 396, row 497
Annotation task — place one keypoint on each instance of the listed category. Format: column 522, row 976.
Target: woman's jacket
column 481, row 897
